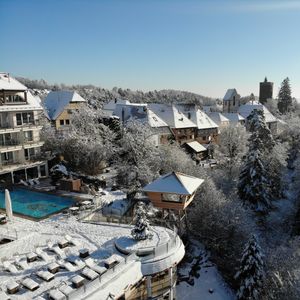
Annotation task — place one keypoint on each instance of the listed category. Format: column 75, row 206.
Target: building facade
column 231, row 101
column 59, row 107
column 20, row 144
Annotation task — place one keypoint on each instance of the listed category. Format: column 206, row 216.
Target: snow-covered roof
column 196, row 146
column 218, row 118
column 197, row 116
column 229, row 94
column 246, row 109
column 111, row 105
column 171, row 115
column 175, row 183
column 139, row 112
column 234, row 117
column 9, row 83
column 56, row 101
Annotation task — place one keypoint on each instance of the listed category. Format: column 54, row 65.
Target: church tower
column 265, row 91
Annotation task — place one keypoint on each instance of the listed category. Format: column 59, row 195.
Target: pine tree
column 256, row 123
column 141, row 230
column 285, row 96
column 254, row 181
column 251, row 273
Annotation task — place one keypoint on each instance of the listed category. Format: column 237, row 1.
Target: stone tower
column 265, row 91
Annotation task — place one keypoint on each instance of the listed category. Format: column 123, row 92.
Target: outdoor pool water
column 34, row 204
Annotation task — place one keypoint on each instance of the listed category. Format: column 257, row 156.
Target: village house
column 109, row 108
column 219, row 119
column 143, row 113
column 182, row 128
column 59, row 107
column 246, row 109
column 234, row 118
column 173, row 193
column 205, row 130
column 20, row 144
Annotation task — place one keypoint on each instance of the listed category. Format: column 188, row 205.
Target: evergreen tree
column 254, row 181
column 141, row 230
column 266, row 144
column 256, row 123
column 251, row 273
column 285, row 96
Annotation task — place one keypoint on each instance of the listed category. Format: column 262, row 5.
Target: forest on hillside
column 97, row 96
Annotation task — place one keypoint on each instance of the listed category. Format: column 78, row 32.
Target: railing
column 32, row 123
column 160, row 249
column 10, row 143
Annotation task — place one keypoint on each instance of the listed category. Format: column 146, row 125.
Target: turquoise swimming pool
column 34, row 204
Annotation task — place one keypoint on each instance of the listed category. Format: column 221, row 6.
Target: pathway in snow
column 199, row 278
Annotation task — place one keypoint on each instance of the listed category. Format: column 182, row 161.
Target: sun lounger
column 12, row 287
column 66, row 289
column 22, row 263
column 45, row 275
column 89, row 273
column 83, row 253
column 77, row 261
column 53, row 267
column 92, row 265
column 72, row 240
column 42, row 254
column 110, row 262
column 58, row 251
column 3, row 219
column 31, row 257
column 69, row 267
column 63, row 243
column 9, row 267
column 57, row 295
column 78, row 281
column 30, row 284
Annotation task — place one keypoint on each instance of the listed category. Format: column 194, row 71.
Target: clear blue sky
column 200, row 46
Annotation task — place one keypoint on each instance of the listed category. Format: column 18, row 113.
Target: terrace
column 61, row 257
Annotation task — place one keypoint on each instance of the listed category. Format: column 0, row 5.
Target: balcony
column 7, row 127
column 9, row 143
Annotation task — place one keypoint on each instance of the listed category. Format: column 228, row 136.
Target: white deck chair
column 56, row 295
column 72, row 241
column 89, row 273
column 30, row 284
column 22, row 263
column 69, row 267
column 42, row 254
column 66, row 289
column 58, row 251
column 92, row 265
column 45, row 275
column 9, row 267
column 79, row 263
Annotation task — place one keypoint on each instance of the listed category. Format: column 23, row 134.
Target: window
column 67, row 122
column 7, row 157
column 28, row 136
column 62, row 122
column 233, row 100
column 29, row 153
column 24, row 118
column 189, row 115
column 204, row 138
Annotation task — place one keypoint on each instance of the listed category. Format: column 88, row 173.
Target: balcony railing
column 9, row 143
column 12, row 126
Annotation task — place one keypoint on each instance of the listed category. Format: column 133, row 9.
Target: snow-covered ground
column 200, row 279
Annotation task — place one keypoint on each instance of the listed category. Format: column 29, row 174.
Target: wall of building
column 66, row 115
